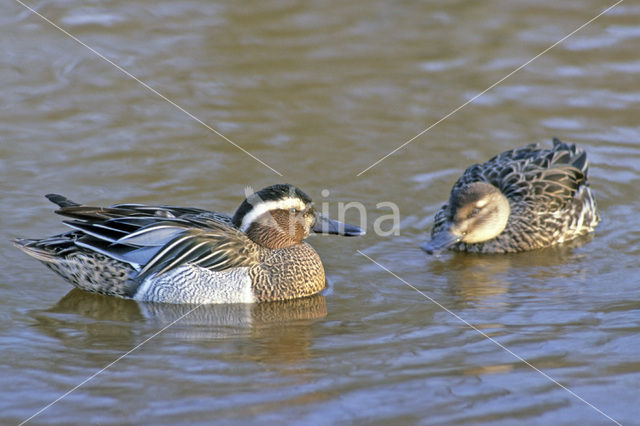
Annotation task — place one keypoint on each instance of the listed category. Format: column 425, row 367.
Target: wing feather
column 217, row 248
column 156, row 239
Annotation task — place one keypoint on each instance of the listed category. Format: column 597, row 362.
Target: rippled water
column 319, row 92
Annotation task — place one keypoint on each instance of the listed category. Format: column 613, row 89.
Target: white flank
column 192, row 284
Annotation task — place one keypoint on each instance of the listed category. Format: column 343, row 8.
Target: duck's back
column 114, row 250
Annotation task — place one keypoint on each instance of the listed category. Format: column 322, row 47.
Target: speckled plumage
column 548, row 195
column 188, row 255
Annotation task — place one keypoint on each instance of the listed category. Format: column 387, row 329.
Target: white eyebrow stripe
column 266, row 206
column 481, row 203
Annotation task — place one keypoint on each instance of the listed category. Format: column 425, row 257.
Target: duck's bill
column 325, row 225
column 440, row 242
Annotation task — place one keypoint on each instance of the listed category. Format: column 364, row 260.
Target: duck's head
column 282, row 215
column 477, row 212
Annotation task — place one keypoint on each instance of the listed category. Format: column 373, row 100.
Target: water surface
column 319, row 92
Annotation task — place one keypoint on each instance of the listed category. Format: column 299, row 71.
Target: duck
column 187, row 255
column 523, row 199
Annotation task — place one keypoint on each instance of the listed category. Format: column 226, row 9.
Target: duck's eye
column 293, row 210
column 473, row 213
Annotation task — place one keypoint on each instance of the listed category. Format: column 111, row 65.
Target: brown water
column 320, row 91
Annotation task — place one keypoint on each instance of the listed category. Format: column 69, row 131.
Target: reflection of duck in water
column 282, row 327
column 188, row 255
column 523, row 199
column 102, row 308
column 486, row 281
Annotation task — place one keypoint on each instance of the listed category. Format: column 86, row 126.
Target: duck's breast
column 288, row 273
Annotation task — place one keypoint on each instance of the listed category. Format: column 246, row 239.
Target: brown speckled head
column 281, row 216
column 479, row 212
column 281, row 228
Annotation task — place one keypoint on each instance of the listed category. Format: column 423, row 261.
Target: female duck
column 188, row 255
column 523, row 199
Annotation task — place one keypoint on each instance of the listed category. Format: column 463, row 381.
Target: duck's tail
column 576, row 156
column 33, row 249
column 61, row 200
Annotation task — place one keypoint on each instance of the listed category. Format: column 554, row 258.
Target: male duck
column 188, row 255
column 523, row 199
